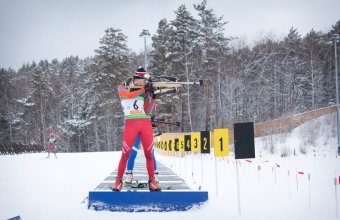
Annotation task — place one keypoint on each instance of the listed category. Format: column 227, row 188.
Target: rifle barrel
column 191, row 83
column 200, row 82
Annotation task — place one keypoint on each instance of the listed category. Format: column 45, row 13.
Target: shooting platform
column 178, row 198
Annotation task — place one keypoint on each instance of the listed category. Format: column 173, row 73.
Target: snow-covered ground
column 35, row 187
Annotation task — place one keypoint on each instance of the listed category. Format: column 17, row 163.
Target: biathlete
column 137, row 107
column 52, row 138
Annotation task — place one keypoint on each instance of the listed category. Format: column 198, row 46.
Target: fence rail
column 15, row 148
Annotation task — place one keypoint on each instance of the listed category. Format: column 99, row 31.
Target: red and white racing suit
column 137, row 106
column 52, row 137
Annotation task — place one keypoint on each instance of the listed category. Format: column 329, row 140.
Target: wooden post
column 238, row 188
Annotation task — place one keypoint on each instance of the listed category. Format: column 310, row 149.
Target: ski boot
column 118, row 185
column 156, row 177
column 129, row 177
column 153, row 185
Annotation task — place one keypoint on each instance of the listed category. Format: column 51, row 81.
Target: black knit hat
column 140, row 73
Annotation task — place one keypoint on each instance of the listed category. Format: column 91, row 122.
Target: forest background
column 272, row 77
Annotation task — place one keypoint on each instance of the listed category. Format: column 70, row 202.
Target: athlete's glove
column 148, row 86
column 148, row 89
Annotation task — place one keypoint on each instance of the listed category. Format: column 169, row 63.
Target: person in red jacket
column 137, row 107
column 52, row 138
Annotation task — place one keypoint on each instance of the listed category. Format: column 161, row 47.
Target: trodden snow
column 34, row 187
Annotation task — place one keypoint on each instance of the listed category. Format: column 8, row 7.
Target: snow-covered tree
column 110, row 67
column 213, row 44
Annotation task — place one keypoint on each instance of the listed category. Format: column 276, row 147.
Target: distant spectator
column 33, row 141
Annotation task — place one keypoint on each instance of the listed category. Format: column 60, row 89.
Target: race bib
column 133, row 107
column 52, row 139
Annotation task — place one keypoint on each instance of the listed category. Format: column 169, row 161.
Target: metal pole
column 145, row 33
column 335, row 39
column 145, row 65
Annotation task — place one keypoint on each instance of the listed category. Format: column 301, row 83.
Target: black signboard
column 205, row 142
column 187, row 140
column 244, row 140
column 176, row 144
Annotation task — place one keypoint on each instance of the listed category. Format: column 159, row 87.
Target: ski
column 135, row 184
column 143, row 185
column 165, row 187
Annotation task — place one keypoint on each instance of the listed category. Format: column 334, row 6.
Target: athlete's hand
column 148, row 88
column 148, row 85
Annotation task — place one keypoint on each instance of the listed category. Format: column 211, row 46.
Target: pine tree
column 213, row 44
column 39, row 93
column 184, row 59
column 6, row 103
column 160, row 55
column 68, row 108
column 110, row 67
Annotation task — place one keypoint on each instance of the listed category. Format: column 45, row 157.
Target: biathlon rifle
column 166, row 123
column 162, row 122
column 166, row 87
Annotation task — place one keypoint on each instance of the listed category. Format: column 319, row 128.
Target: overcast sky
column 45, row 29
